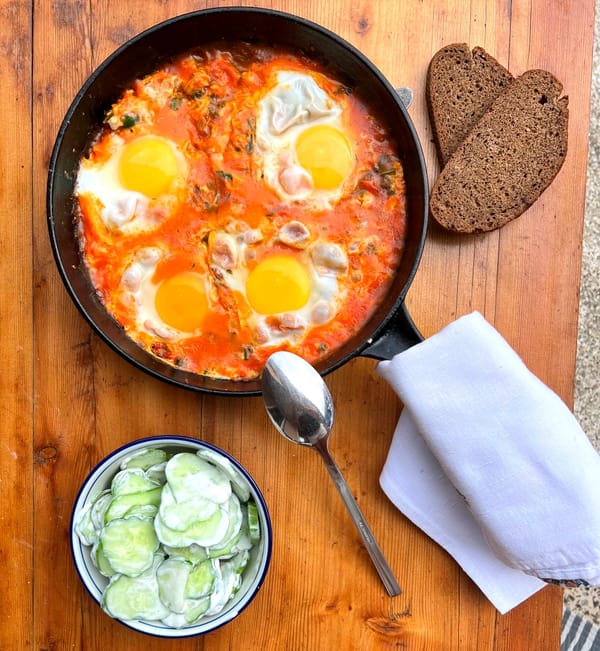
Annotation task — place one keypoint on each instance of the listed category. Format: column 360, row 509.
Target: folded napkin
column 492, row 464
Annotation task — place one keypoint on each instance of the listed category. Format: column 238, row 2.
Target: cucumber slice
column 234, row 511
column 169, row 537
column 172, row 575
column 175, row 620
column 99, row 509
column 121, row 504
column 85, row 529
column 211, row 531
column 190, row 476
column 239, row 561
column 193, row 553
column 253, row 522
column 181, row 515
column 156, row 473
column 194, row 609
column 202, row 532
column 228, row 550
column 239, row 483
column 129, row 545
column 129, row 481
column 100, row 561
column 227, row 583
column 144, row 459
column 142, row 511
column 200, row 580
column 239, row 543
column 137, row 597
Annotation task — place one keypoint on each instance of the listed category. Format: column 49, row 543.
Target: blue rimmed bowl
column 253, row 575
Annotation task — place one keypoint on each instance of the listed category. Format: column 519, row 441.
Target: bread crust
column 461, row 84
column 507, row 160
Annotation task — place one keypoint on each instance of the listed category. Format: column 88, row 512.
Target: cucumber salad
column 172, row 534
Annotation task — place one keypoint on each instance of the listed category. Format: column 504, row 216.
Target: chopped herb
column 226, row 176
column 175, row 103
column 251, row 135
column 343, row 90
column 206, row 197
column 387, row 166
column 130, row 120
column 385, row 162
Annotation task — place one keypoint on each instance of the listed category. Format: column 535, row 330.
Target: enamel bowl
column 253, row 574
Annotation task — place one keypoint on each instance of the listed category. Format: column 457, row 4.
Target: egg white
column 296, row 103
column 138, row 294
column 326, row 294
column 125, row 210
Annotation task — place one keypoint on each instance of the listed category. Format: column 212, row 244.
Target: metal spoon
column 301, row 408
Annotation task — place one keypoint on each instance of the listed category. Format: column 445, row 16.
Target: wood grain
column 16, row 326
column 68, row 400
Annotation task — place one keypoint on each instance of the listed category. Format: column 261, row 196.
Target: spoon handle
column 381, row 565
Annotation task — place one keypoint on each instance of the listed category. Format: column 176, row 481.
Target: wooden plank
column 64, row 426
column 545, row 239
column 16, row 326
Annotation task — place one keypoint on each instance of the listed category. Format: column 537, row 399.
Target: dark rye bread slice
column 508, row 159
column 461, row 84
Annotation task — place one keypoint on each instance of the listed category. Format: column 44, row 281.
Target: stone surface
column 586, row 601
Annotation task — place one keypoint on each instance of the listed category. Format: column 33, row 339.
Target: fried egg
column 281, row 292
column 138, row 185
column 165, row 297
column 304, row 151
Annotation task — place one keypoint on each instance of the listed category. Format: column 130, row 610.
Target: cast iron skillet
column 390, row 330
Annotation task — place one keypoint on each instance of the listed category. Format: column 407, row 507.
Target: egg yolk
column 325, row 153
column 148, row 165
column 181, row 301
column 278, row 284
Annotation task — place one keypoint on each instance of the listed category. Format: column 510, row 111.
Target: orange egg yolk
column 278, row 284
column 181, row 301
column 325, row 153
column 148, row 165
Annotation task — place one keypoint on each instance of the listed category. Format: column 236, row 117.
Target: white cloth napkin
column 492, row 464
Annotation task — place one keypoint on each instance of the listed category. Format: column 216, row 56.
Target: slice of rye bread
column 461, row 85
column 508, row 159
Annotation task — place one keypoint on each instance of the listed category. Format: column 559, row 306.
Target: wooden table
column 67, row 400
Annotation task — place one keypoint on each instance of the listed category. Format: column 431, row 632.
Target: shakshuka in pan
column 238, row 201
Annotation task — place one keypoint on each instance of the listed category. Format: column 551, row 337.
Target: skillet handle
column 400, row 334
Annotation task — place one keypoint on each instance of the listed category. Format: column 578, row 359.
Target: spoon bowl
column 300, row 407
